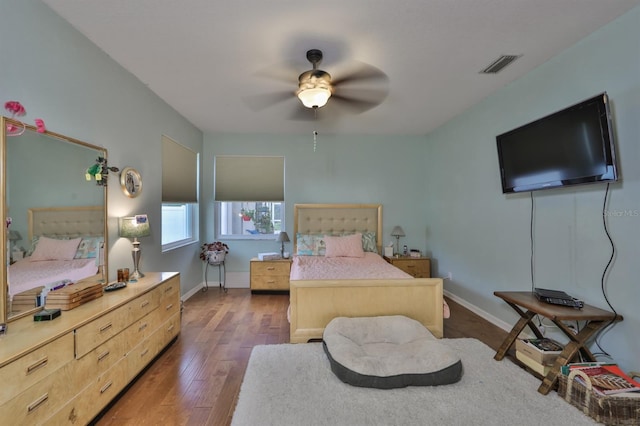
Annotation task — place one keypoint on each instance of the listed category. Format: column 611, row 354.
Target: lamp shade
column 283, row 237
column 397, row 232
column 134, row 226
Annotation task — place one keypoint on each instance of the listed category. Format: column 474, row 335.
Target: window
column 249, row 194
column 252, row 219
column 179, row 195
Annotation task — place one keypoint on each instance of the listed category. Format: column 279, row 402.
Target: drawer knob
column 144, row 352
column 169, row 306
column 145, row 303
column 103, row 355
column 271, row 268
column 168, row 289
column 36, row 365
column 142, row 327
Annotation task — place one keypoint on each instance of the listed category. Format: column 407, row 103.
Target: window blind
column 179, row 173
column 249, row 178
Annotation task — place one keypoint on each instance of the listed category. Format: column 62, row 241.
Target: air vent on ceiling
column 497, row 65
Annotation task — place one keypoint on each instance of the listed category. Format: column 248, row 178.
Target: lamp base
column 135, row 254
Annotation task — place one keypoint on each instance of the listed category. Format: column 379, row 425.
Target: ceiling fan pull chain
column 315, row 139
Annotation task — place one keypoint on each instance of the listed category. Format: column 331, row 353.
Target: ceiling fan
column 316, row 88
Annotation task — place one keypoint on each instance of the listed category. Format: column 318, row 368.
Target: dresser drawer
column 90, row 400
column 92, row 335
column 33, row 367
column 40, row 401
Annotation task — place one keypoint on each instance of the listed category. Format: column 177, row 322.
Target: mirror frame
column 100, row 151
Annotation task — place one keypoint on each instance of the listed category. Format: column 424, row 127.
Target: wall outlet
column 449, row 276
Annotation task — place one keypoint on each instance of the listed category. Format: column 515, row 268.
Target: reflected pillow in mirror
column 53, row 249
column 88, row 248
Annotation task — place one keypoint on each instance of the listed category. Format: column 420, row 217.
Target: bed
column 316, row 300
column 65, row 244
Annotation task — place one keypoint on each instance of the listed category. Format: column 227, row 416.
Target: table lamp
column 397, row 232
column 135, row 227
column 283, row 237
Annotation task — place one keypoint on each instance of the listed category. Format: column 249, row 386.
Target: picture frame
column 130, row 182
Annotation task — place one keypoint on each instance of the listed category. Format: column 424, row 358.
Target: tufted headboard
column 66, row 221
column 337, row 219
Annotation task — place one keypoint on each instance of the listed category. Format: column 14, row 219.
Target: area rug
column 292, row 384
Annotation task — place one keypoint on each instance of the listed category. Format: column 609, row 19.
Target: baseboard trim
column 481, row 313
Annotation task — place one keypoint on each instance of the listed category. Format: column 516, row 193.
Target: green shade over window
column 179, row 173
column 249, row 178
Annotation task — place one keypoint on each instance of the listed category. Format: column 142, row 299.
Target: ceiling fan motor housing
column 314, row 88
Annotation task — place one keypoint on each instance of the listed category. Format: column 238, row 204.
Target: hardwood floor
column 196, row 381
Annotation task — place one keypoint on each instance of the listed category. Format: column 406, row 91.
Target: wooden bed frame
column 313, row 303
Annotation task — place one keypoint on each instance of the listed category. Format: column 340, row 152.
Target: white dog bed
column 388, row 352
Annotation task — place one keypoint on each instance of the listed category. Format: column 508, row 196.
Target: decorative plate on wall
column 131, row 182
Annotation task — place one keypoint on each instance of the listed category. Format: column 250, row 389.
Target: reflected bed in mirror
column 66, row 246
column 59, row 215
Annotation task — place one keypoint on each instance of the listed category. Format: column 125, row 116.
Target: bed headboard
column 337, row 219
column 66, row 221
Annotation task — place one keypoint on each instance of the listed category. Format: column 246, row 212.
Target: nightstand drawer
column 270, row 268
column 416, row 267
column 263, row 282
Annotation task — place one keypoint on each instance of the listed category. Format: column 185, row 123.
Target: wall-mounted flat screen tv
column 569, row 147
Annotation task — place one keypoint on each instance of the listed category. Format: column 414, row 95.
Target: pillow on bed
column 310, row 244
column 88, row 248
column 53, row 249
column 369, row 242
column 347, row 246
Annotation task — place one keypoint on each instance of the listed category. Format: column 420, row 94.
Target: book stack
column 72, row 296
column 538, row 354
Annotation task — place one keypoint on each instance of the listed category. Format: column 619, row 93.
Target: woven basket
column 620, row 409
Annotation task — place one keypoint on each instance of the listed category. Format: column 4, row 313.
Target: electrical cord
column 600, row 332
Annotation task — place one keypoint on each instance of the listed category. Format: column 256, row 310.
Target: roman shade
column 249, row 178
column 179, row 173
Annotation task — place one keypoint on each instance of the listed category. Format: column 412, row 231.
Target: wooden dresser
column 65, row 371
column 270, row 275
column 418, row 267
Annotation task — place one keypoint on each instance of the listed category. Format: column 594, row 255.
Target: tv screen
column 569, row 147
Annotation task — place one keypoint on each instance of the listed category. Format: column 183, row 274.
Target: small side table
column 595, row 319
column 417, row 267
column 222, row 276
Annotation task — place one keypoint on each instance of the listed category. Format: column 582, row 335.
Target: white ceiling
column 207, row 58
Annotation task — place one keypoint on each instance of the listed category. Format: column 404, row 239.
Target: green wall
column 482, row 236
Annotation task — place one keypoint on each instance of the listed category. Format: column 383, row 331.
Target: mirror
column 55, row 217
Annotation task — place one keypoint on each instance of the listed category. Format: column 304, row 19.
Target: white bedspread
column 371, row 266
column 24, row 274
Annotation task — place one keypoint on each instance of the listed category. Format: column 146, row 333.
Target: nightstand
column 418, row 267
column 270, row 275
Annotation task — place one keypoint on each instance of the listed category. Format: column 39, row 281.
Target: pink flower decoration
column 15, row 108
column 40, row 125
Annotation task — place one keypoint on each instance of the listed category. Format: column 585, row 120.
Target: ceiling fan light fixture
column 316, row 97
column 314, row 88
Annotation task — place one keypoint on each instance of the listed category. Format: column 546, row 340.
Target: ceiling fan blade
column 361, row 73
column 361, row 100
column 260, row 102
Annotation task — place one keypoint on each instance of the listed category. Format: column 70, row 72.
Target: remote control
column 115, row 286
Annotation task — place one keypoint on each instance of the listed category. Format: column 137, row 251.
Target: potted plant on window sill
column 213, row 253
